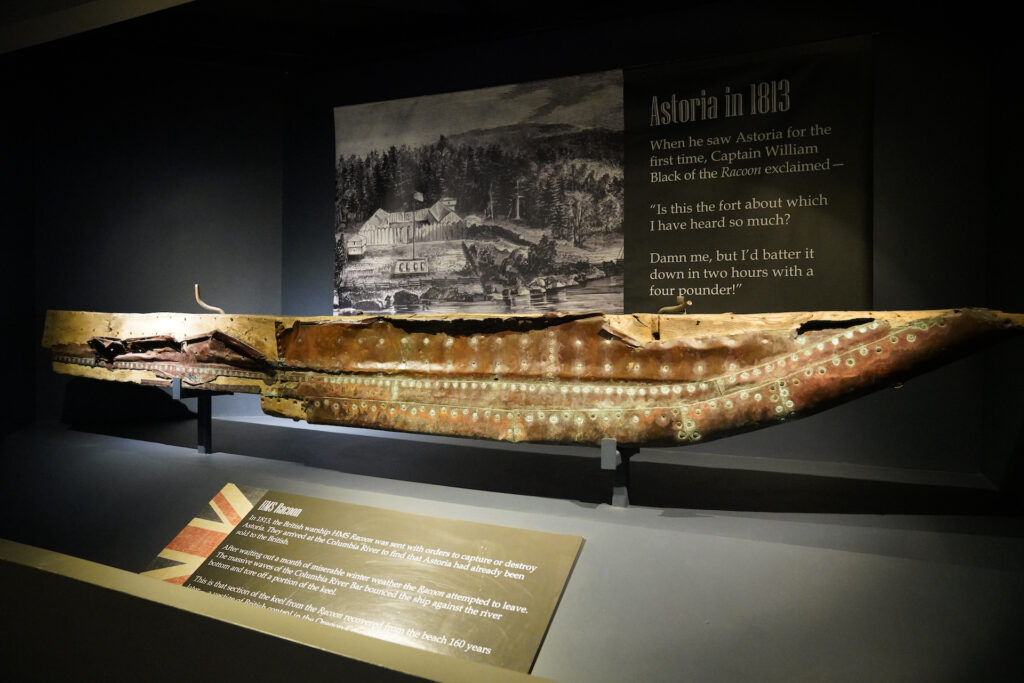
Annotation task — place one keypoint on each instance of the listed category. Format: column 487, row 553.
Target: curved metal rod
column 206, row 305
column 678, row 308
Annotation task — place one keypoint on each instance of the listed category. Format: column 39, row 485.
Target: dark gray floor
column 657, row 594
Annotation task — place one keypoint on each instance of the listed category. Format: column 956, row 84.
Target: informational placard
column 747, row 181
column 476, row 591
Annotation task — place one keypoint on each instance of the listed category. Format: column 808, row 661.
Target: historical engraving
column 505, row 199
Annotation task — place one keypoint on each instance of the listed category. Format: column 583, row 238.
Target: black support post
column 204, row 408
column 616, row 460
column 204, row 438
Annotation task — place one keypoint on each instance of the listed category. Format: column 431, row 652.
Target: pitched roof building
column 438, row 222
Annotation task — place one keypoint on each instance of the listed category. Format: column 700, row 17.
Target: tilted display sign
column 475, row 591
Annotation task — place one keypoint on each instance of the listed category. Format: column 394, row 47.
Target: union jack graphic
column 197, row 541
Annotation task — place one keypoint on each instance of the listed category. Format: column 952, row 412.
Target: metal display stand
column 204, row 408
column 616, row 460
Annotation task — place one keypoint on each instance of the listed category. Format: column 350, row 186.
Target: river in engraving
column 603, row 294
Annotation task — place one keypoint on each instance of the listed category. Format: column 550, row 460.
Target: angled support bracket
column 616, row 460
column 204, row 408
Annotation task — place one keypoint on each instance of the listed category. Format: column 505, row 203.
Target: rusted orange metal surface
column 559, row 378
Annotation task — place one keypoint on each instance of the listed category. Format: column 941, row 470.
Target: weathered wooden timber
column 557, row 378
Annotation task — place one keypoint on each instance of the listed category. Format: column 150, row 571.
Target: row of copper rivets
column 552, row 417
column 689, row 425
column 754, row 372
column 587, row 388
column 195, row 370
column 776, row 390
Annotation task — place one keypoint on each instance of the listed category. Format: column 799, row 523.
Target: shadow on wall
column 89, row 404
column 150, row 414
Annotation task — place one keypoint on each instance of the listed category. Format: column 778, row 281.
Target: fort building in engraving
column 438, row 222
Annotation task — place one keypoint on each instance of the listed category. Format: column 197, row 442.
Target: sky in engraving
column 587, row 101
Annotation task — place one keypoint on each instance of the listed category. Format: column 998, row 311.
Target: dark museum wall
column 150, row 181
column 145, row 172
column 146, row 178
column 941, row 190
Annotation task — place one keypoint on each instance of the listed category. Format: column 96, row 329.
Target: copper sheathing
column 559, row 378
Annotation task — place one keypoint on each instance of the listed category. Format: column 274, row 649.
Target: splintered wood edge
column 283, row 407
column 78, row 327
